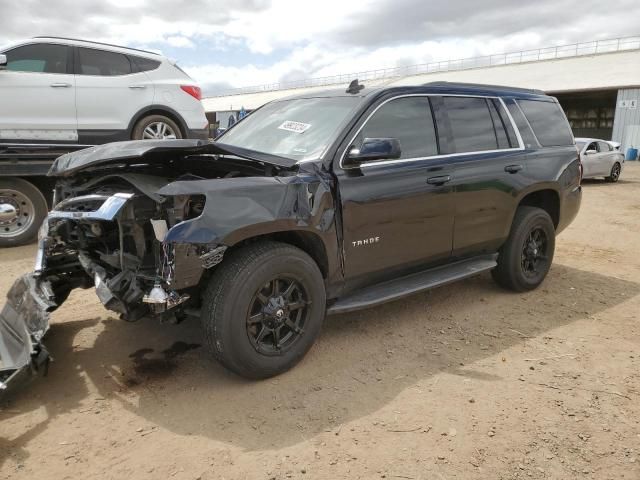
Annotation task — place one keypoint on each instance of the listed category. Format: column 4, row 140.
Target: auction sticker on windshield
column 295, row 127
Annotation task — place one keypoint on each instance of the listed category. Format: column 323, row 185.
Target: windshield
column 580, row 145
column 299, row 129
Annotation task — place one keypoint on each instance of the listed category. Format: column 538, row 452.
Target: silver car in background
column 600, row 159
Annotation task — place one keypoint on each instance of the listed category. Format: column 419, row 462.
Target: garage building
column 597, row 84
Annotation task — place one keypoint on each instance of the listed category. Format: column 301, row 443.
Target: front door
column 37, row 95
column 606, row 158
column 395, row 216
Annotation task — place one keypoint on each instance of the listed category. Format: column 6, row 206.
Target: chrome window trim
column 26, row 44
column 446, row 155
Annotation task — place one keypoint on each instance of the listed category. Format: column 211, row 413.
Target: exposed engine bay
column 144, row 232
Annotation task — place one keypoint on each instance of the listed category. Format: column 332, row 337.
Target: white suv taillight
column 192, row 90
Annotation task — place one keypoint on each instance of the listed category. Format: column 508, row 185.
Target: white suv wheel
column 156, row 127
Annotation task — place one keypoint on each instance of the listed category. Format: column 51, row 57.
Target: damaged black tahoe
column 311, row 205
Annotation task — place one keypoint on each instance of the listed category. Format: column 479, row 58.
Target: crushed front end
column 110, row 229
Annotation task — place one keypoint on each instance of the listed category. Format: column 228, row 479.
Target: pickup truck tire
column 263, row 309
column 524, row 260
column 156, row 127
column 22, row 210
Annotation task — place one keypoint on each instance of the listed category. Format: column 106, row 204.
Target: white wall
column 603, row 71
column 626, row 124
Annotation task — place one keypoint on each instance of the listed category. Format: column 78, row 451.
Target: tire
column 159, row 125
column 22, row 211
column 234, row 299
column 521, row 265
column 614, row 175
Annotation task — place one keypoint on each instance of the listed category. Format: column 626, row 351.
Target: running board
column 414, row 283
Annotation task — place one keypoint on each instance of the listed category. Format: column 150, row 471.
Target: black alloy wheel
column 534, row 253
column 525, row 258
column 277, row 315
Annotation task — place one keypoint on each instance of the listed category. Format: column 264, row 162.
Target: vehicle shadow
column 601, row 182
column 360, row 363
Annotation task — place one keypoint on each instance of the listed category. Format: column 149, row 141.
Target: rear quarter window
column 141, row 64
column 548, row 122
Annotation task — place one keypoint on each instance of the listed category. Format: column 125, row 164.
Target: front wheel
column 263, row 309
column 524, row 260
column 614, row 175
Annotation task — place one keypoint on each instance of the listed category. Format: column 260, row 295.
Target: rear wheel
column 526, row 257
column 263, row 309
column 156, row 127
column 614, row 175
column 22, row 210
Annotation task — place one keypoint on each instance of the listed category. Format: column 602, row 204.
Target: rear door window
column 39, row 58
column 548, row 122
column 100, row 62
column 409, row 120
column 470, row 126
column 604, row 147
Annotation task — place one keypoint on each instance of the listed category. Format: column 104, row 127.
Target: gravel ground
column 467, row 381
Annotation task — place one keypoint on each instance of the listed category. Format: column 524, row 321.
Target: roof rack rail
column 442, row 83
column 97, row 43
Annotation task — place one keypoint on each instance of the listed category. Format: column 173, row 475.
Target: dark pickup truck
column 312, row 205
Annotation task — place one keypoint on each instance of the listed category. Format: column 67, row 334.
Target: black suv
column 311, row 205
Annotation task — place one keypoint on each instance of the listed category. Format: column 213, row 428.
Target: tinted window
column 42, row 58
column 409, row 120
column 470, row 124
column 101, row 62
column 548, row 122
column 141, row 64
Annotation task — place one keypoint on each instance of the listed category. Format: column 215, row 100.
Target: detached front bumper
column 24, row 320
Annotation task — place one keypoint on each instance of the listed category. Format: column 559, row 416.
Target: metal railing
column 510, row 58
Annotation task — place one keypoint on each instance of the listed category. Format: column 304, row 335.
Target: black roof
column 453, row 88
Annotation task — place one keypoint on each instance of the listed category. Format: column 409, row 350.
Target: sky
column 225, row 44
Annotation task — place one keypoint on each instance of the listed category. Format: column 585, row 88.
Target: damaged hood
column 150, row 151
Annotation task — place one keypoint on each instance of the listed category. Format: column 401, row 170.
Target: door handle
column 513, row 168
column 441, row 180
column 137, row 87
column 60, row 85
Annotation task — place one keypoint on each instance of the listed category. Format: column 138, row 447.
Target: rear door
column 488, row 162
column 394, row 219
column 37, row 94
column 110, row 91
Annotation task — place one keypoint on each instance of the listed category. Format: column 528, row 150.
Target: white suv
column 59, row 90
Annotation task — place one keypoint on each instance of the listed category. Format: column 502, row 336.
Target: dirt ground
column 467, row 381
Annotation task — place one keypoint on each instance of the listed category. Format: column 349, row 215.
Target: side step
column 414, row 283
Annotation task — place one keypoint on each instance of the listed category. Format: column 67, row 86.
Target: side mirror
column 590, row 152
column 3, row 61
column 374, row 149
